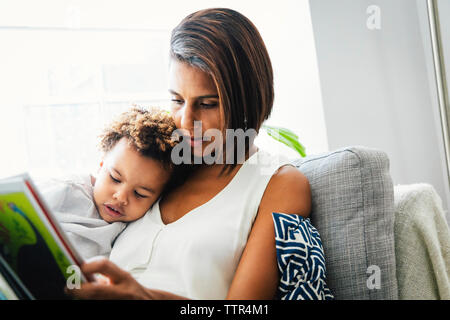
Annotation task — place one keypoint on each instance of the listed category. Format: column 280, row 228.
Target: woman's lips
column 113, row 211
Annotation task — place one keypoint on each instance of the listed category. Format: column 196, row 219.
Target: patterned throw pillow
column 300, row 258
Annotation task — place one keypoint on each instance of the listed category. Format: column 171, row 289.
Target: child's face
column 127, row 184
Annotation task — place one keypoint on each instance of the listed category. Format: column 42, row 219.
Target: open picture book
column 37, row 260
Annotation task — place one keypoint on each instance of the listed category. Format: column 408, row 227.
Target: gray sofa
column 353, row 210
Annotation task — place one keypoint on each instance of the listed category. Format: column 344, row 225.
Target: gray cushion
column 353, row 210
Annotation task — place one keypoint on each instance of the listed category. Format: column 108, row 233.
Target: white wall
column 377, row 85
column 444, row 12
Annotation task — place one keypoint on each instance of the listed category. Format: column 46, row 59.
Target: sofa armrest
column 422, row 243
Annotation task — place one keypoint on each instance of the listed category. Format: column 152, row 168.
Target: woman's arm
column 257, row 274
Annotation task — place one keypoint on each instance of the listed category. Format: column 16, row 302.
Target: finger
column 105, row 267
column 93, row 291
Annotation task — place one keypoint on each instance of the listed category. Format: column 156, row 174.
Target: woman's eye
column 208, row 105
column 177, row 101
column 114, row 179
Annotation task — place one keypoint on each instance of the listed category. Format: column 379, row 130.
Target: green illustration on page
column 25, row 242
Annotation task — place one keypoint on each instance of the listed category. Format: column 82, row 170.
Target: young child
column 135, row 169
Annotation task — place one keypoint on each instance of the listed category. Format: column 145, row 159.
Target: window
column 68, row 67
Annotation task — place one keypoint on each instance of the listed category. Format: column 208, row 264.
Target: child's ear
column 93, row 180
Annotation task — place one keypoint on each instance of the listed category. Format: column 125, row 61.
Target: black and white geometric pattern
column 301, row 260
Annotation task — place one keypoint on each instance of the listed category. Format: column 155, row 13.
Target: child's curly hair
column 148, row 131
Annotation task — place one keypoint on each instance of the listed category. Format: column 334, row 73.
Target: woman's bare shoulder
column 288, row 191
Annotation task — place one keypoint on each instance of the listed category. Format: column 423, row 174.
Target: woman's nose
column 187, row 116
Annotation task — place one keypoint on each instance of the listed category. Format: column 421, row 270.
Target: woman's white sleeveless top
column 197, row 255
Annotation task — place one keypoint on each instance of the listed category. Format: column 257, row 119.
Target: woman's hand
column 121, row 284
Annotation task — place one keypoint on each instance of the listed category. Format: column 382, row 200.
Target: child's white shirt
column 71, row 201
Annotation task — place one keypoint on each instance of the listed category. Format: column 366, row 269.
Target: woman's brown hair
column 226, row 45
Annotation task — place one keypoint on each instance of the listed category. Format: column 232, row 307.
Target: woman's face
column 194, row 102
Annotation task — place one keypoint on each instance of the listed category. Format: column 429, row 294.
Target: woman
column 213, row 236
